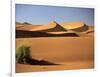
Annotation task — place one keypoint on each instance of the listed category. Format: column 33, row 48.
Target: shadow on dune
column 81, row 29
column 90, row 32
column 28, row 34
column 36, row 62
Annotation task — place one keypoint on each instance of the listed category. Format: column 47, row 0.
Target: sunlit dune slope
column 25, row 26
column 50, row 27
column 72, row 25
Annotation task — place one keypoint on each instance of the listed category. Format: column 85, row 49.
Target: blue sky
column 37, row 14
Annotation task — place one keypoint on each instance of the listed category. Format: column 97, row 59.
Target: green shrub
column 23, row 54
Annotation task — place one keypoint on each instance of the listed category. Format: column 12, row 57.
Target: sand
column 72, row 25
column 71, row 65
column 59, row 49
column 69, row 52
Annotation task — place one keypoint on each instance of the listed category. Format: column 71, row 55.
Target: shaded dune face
column 81, row 29
column 90, row 31
column 29, row 34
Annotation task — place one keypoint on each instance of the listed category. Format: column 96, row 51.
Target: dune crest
column 53, row 29
column 50, row 27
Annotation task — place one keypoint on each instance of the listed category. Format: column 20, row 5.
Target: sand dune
column 25, row 27
column 52, row 29
column 75, row 26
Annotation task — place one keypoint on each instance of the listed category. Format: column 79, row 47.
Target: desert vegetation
column 23, row 54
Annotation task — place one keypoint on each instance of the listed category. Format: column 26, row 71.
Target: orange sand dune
column 75, row 26
column 43, row 27
column 54, row 27
column 50, row 27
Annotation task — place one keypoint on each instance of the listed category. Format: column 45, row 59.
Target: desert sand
column 69, row 65
column 67, row 51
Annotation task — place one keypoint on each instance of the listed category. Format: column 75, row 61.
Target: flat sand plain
column 68, row 65
column 68, row 52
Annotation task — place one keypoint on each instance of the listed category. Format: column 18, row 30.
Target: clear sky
column 37, row 14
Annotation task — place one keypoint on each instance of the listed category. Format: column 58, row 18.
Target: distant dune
column 25, row 26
